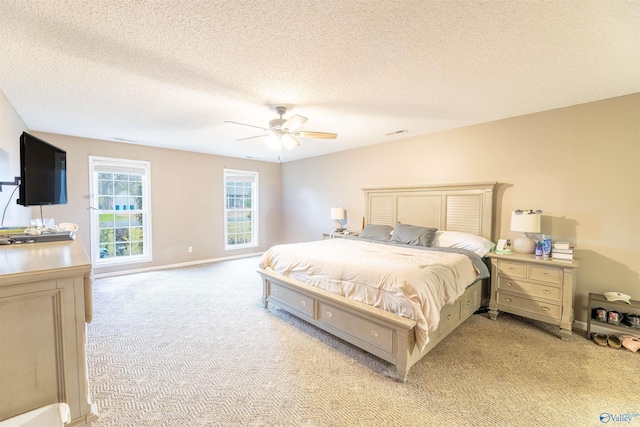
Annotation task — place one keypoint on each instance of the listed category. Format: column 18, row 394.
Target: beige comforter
column 410, row 282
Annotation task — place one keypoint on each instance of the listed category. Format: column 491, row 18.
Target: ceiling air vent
column 396, row 132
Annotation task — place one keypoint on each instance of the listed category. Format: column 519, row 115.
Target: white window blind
column 120, row 210
column 240, row 209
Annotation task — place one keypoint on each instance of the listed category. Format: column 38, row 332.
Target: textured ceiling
column 169, row 73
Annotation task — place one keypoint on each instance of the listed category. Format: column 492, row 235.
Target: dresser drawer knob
column 375, row 334
column 509, row 284
column 546, row 308
column 275, row 291
column 468, row 302
column 449, row 317
column 545, row 274
column 329, row 314
column 512, row 269
column 303, row 303
column 507, row 299
column 547, row 291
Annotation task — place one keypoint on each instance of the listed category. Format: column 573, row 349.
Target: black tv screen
column 43, row 172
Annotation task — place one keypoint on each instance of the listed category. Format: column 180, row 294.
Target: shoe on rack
column 631, row 343
column 600, row 339
column 614, row 341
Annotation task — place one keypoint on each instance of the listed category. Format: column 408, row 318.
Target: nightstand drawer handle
column 329, row 314
column 468, row 302
column 303, row 303
column 545, row 274
column 546, row 308
column 275, row 291
column 449, row 317
column 507, row 299
column 375, row 334
column 511, row 269
column 509, row 284
column 547, row 291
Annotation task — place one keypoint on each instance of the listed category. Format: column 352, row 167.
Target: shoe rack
column 634, row 307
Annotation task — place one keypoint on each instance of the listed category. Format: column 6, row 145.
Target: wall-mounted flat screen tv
column 43, row 172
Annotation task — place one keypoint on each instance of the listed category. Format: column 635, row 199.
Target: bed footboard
column 383, row 334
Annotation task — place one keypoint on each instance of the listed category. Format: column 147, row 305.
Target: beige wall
column 580, row 165
column 11, row 127
column 186, row 196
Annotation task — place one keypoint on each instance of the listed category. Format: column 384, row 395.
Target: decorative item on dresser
column 525, row 221
column 562, row 251
column 532, row 287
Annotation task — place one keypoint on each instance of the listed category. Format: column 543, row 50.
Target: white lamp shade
column 337, row 213
column 525, row 222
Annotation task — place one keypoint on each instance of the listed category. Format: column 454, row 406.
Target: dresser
column 45, row 303
column 533, row 287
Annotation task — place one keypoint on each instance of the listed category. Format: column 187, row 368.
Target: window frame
column 144, row 169
column 229, row 173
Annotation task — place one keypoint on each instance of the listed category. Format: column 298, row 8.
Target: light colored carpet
column 195, row 347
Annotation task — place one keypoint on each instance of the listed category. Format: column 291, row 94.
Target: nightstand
column 327, row 236
column 337, row 235
column 533, row 287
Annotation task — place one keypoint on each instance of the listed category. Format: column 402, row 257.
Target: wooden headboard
column 451, row 207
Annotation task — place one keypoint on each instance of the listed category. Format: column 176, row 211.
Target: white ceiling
column 169, row 73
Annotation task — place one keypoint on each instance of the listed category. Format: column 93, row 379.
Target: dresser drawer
column 512, row 269
column 551, row 275
column 449, row 316
column 533, row 289
column 507, row 301
column 293, row 299
column 372, row 333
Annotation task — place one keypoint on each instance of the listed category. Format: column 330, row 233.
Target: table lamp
column 337, row 214
column 526, row 221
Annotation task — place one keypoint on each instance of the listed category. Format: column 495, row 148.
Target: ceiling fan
column 282, row 132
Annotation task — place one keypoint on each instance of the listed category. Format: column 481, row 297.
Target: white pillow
column 458, row 239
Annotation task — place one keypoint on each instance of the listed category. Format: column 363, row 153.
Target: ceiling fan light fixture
column 282, row 132
column 273, row 141
column 289, row 142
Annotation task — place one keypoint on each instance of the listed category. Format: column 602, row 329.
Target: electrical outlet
column 190, row 249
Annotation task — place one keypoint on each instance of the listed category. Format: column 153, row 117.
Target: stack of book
column 562, row 251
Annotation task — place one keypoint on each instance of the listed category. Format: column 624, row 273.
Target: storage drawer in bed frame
column 383, row 334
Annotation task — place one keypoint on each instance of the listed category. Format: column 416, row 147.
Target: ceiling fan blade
column 318, row 135
column 244, row 124
column 251, row 137
column 294, row 122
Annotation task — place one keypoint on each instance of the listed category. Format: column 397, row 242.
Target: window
column 241, row 209
column 120, row 210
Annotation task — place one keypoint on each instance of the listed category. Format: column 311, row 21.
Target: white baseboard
column 178, row 265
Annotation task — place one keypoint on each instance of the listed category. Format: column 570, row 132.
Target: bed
column 372, row 319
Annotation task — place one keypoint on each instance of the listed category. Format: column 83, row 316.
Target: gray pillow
column 376, row 232
column 413, row 235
